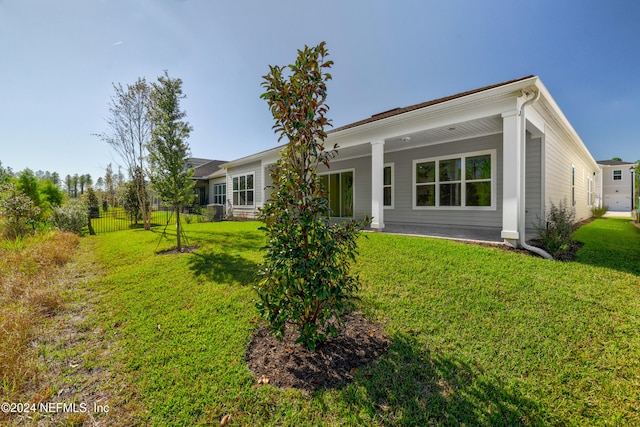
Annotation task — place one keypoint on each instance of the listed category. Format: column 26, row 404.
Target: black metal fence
column 116, row 218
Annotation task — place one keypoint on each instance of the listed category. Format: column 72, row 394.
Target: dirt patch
column 285, row 364
column 185, row 250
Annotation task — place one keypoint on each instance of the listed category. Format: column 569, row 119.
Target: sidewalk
column 618, row 214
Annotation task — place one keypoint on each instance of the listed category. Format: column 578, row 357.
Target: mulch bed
column 285, row 364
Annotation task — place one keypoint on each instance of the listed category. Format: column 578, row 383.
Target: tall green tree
column 82, row 182
column 68, row 183
column 55, row 178
column 5, row 173
column 129, row 135
column 306, row 279
column 168, row 149
column 50, row 193
column 75, row 180
column 28, row 185
column 110, row 185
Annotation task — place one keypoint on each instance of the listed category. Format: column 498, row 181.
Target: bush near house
column 556, row 230
column 598, row 212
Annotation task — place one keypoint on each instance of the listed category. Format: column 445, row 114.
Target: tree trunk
column 91, row 230
column 178, row 230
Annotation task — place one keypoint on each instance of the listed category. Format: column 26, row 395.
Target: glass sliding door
column 339, row 187
column 346, row 194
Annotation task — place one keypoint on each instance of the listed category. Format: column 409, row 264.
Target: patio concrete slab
column 445, row 232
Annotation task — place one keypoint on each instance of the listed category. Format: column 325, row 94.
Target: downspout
column 522, row 239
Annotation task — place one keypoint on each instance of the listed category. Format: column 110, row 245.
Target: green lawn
column 480, row 336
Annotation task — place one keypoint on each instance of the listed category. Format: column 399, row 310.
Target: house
column 204, row 169
column 616, row 185
column 491, row 159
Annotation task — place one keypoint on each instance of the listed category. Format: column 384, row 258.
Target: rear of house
column 492, row 159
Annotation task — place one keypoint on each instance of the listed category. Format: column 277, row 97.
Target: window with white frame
column 220, row 194
column 455, row 181
column 243, row 190
column 387, row 185
column 573, row 185
column 617, row 174
column 590, row 193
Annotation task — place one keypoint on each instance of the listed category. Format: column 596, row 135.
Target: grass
column 611, row 243
column 479, row 336
column 538, row 342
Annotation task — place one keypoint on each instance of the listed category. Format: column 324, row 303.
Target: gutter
column 522, row 239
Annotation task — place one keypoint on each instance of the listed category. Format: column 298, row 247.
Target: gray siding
column 403, row 211
column 403, row 185
column 559, row 158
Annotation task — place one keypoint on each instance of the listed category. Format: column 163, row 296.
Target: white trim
column 613, row 175
column 353, row 194
column 377, row 185
column 263, row 190
column 392, row 185
column 462, row 156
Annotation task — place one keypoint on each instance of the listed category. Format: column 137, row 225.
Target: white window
column 590, row 193
column 387, row 186
column 573, row 185
column 463, row 181
column 220, row 194
column 617, row 174
column 243, row 190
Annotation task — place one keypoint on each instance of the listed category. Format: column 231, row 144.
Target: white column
column 511, row 178
column 377, row 185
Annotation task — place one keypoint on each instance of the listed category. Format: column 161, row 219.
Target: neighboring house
column 493, row 158
column 203, row 170
column 616, row 185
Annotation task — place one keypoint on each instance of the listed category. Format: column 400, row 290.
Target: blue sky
column 58, row 60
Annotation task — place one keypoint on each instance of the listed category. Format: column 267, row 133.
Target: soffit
column 453, row 132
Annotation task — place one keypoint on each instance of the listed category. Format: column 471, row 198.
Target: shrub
column 72, row 216
column 599, row 212
column 18, row 212
column 557, row 228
